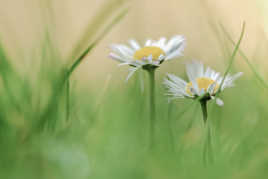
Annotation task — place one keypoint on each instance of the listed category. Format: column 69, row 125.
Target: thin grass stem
column 68, row 100
column 93, row 44
column 170, row 128
column 82, row 56
column 232, row 58
column 252, row 68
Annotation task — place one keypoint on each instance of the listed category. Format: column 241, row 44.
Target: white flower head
column 203, row 82
column 152, row 54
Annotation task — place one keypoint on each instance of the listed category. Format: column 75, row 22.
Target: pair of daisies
column 202, row 82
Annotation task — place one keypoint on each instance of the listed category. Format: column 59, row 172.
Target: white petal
column 123, row 64
column 123, row 50
column 150, row 58
column 219, row 102
column 194, row 70
column 173, row 55
column 180, row 82
column 194, row 91
column 175, row 41
column 208, row 72
column 132, row 70
column 176, row 86
column 229, row 80
column 148, row 42
column 134, row 44
column 162, row 42
column 117, row 57
column 211, row 88
column 216, row 76
column 195, row 88
column 200, row 70
column 137, row 63
column 161, row 57
column 237, row 75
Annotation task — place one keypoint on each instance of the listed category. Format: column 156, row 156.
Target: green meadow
column 50, row 128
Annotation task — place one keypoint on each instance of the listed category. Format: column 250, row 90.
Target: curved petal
column 176, row 86
column 122, row 50
column 175, row 43
column 132, row 70
column 117, row 58
column 229, row 80
column 194, row 70
column 219, row 102
column 134, row 44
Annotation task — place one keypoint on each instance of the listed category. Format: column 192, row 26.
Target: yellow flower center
column 202, row 83
column 147, row 51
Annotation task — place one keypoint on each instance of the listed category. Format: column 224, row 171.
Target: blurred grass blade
column 232, row 58
column 45, row 118
column 84, row 54
column 94, row 27
column 185, row 109
column 215, row 29
column 252, row 68
column 92, row 45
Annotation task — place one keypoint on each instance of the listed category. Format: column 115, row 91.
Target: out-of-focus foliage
column 106, row 135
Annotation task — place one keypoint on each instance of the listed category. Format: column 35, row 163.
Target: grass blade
column 232, row 58
column 97, row 23
column 92, row 45
column 252, row 68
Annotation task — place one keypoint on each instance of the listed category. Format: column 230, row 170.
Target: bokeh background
column 22, row 23
column 94, row 125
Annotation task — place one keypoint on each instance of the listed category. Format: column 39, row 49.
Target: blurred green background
column 91, row 124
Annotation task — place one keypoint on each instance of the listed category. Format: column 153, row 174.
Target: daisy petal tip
column 219, row 102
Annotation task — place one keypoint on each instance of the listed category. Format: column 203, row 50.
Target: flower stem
column 204, row 110
column 152, row 105
column 208, row 150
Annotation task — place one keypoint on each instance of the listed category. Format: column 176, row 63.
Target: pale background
column 21, row 26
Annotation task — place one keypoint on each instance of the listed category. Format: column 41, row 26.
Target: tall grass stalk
column 243, row 55
column 232, row 58
column 85, row 53
column 170, row 127
column 68, row 100
column 107, row 12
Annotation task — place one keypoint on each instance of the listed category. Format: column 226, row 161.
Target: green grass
column 47, row 132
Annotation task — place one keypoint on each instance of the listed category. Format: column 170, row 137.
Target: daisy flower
column 149, row 56
column 203, row 83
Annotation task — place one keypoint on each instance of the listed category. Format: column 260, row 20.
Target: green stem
column 208, row 151
column 67, row 99
column 152, row 105
column 204, row 110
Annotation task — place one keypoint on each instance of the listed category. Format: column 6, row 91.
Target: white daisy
column 151, row 55
column 204, row 83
